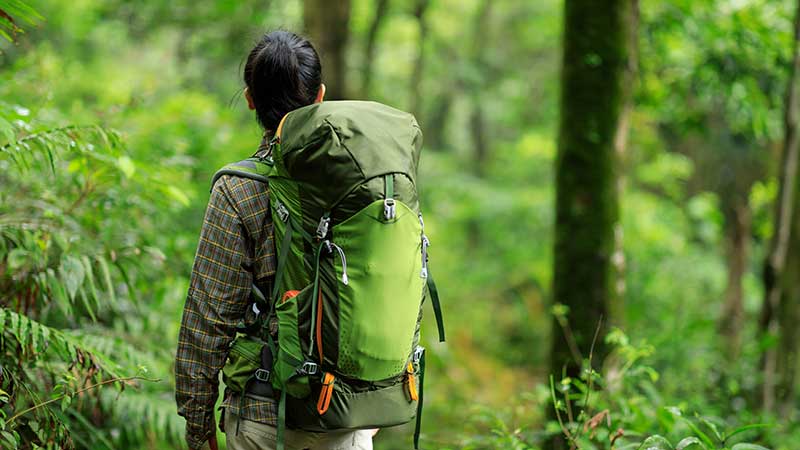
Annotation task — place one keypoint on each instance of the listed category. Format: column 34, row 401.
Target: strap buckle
column 389, row 209
column 308, row 368
column 322, row 228
column 283, row 212
column 262, row 375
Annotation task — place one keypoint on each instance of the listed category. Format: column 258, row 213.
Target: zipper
column 425, row 244
column 253, row 357
column 319, row 327
column 352, row 189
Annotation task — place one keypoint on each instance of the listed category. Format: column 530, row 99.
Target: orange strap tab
column 289, row 294
column 325, row 393
column 411, row 383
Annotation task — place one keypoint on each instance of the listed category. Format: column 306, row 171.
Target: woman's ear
column 320, row 93
column 249, row 98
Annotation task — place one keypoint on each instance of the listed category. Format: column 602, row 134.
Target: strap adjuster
column 283, row 212
column 308, row 368
column 262, row 375
column 389, row 209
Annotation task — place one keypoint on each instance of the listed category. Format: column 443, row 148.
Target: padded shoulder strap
column 253, row 168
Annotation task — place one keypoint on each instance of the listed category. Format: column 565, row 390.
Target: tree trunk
column 416, row 74
column 593, row 73
column 775, row 264
column 327, row 24
column 788, row 318
column 477, row 117
column 381, row 7
column 437, row 121
column 617, row 308
column 737, row 236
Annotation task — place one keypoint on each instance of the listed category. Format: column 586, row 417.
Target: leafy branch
column 79, row 391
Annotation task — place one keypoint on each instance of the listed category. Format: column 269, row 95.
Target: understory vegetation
column 115, row 114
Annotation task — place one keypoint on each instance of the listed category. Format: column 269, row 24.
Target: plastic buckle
column 322, row 228
column 262, row 375
column 309, row 368
column 417, row 354
column 389, row 209
column 283, row 212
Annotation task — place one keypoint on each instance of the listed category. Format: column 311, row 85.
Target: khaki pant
column 259, row 436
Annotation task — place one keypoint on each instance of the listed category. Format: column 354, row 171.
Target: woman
column 236, row 249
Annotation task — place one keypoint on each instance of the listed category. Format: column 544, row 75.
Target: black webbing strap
column 418, row 425
column 437, row 307
column 281, row 420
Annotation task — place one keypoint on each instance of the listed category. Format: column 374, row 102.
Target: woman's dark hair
column 282, row 73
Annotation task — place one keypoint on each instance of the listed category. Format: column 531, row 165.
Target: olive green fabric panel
column 290, row 354
column 381, row 302
column 350, row 409
column 244, row 358
column 371, row 190
column 284, row 194
column 346, row 141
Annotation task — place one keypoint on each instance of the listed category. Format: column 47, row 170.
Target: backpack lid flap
column 349, row 142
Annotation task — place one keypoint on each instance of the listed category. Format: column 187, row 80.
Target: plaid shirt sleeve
column 225, row 266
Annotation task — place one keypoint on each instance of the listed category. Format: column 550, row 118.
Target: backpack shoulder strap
column 252, row 168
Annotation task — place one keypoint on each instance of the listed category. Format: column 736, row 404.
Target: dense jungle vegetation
column 610, row 188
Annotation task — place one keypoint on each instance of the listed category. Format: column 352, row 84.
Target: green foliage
column 12, row 12
column 97, row 237
column 69, row 253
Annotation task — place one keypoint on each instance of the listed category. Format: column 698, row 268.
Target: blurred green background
column 114, row 115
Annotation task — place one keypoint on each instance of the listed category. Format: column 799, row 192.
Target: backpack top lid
column 334, row 146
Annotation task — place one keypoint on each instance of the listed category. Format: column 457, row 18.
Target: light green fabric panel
column 378, row 308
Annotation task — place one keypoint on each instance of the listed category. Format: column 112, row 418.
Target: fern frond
column 144, row 415
column 33, row 340
column 88, row 140
column 125, row 354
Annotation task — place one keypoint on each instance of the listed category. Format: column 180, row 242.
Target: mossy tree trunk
column 595, row 55
column 327, row 24
column 617, row 308
column 781, row 280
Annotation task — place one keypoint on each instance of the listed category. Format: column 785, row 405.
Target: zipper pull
column 345, row 280
column 325, row 393
column 411, row 383
column 425, row 244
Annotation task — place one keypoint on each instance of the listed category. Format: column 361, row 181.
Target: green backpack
column 352, row 271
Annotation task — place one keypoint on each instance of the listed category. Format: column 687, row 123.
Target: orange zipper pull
column 289, row 294
column 411, row 383
column 325, row 393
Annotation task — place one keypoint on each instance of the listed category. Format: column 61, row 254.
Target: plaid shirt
column 236, row 249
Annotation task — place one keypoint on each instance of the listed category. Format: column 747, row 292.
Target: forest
column 610, row 188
